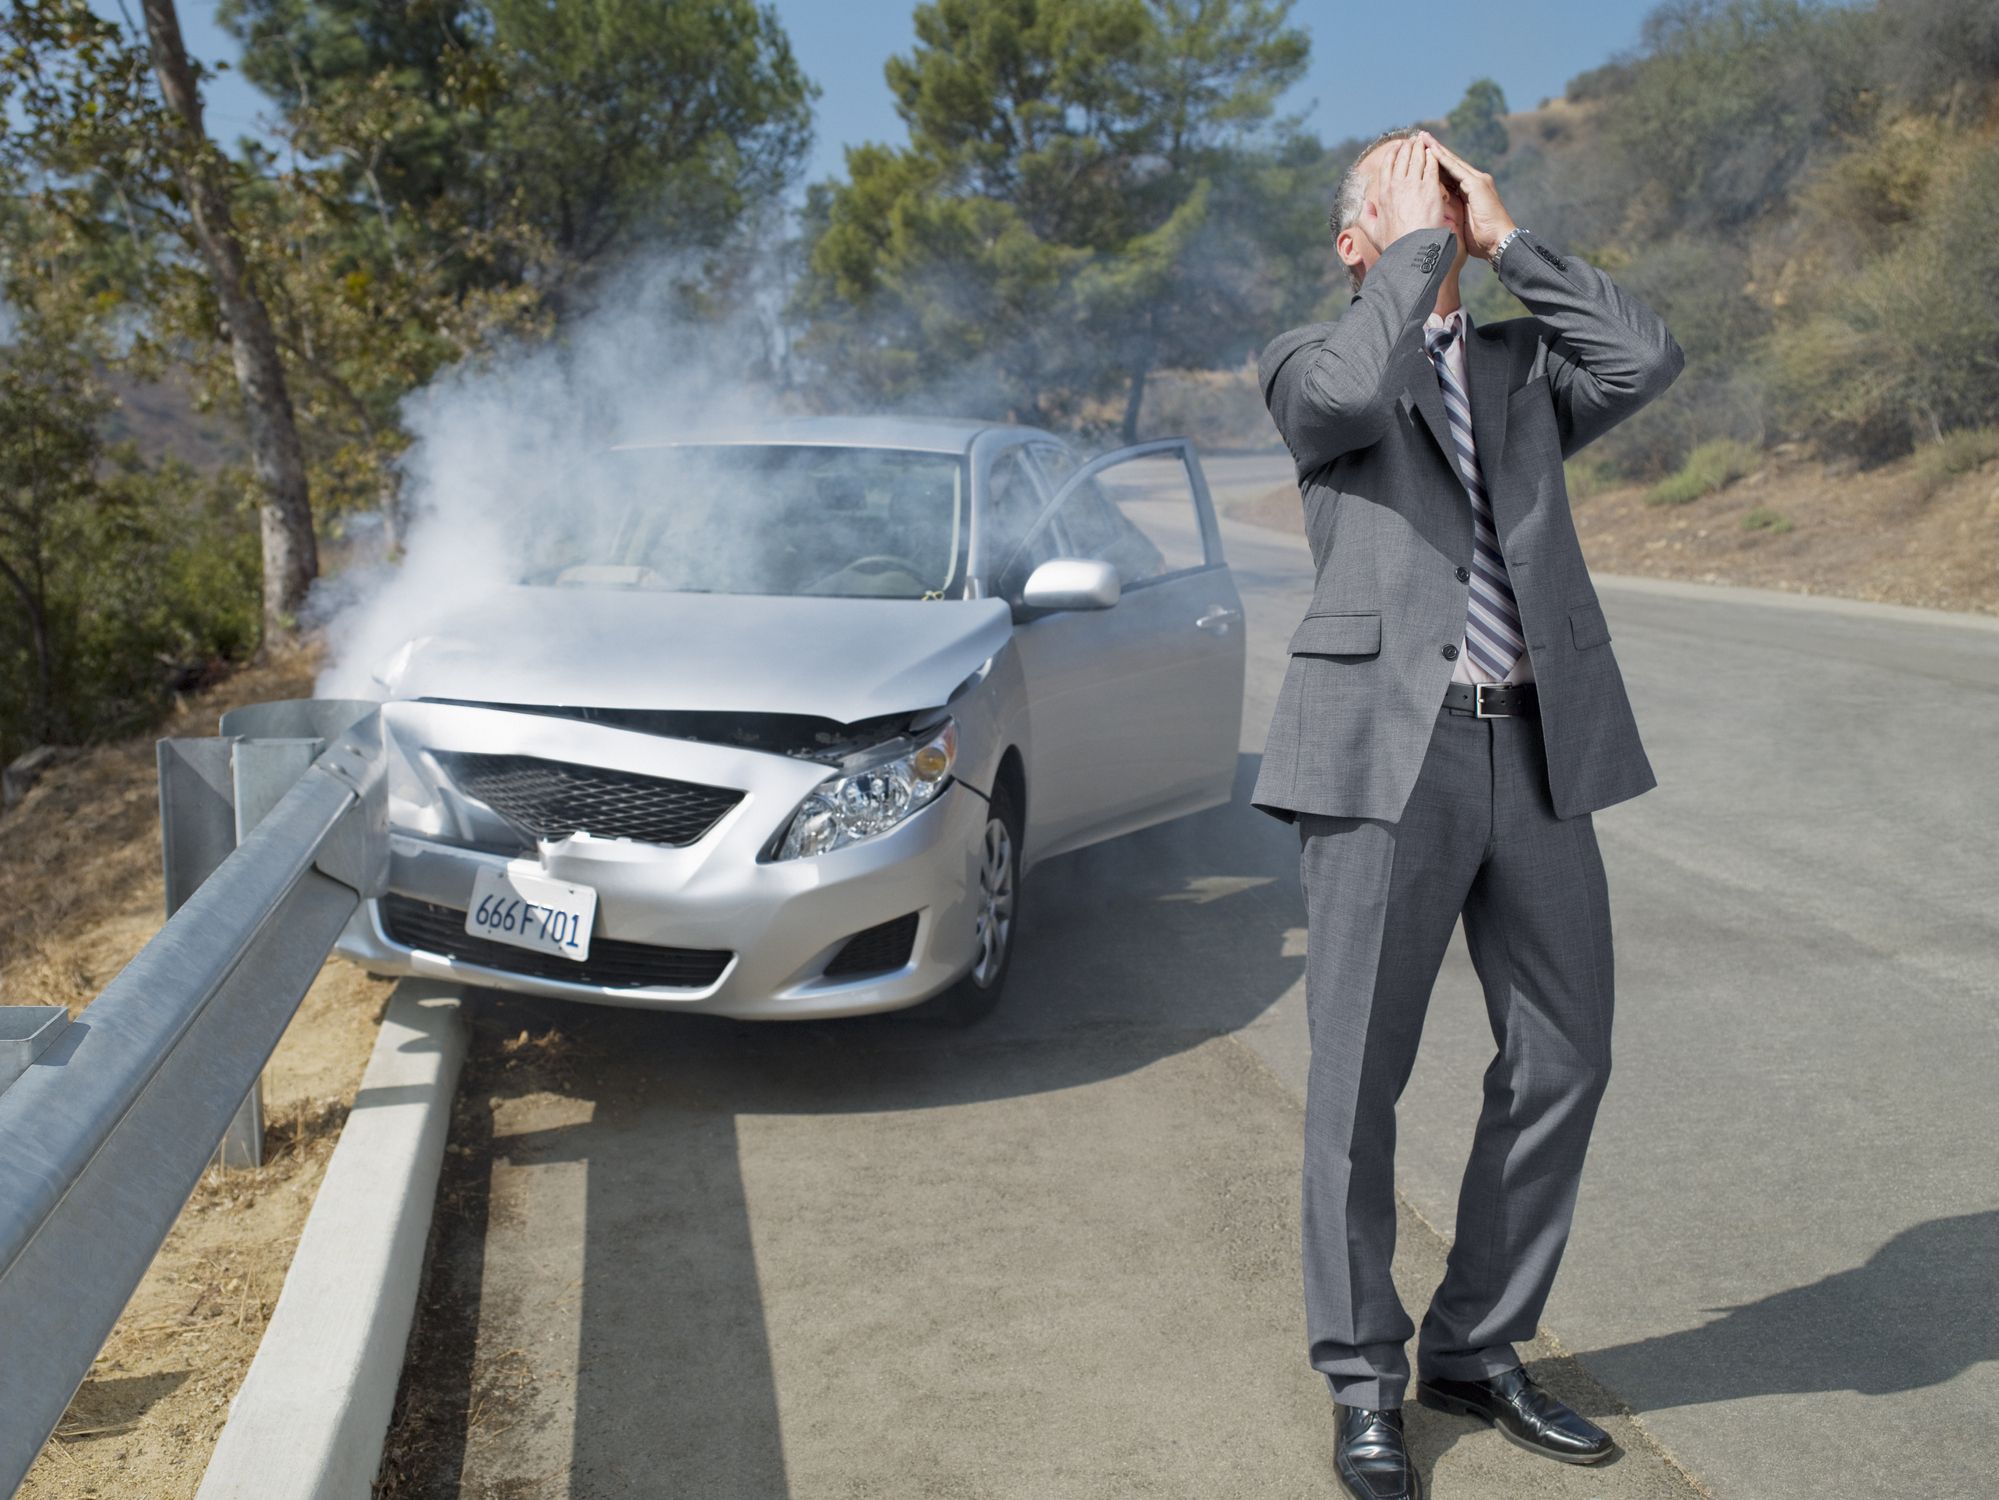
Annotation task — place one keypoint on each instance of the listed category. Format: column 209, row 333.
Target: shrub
column 1586, row 475
column 1762, row 518
column 1712, row 466
column 155, row 582
column 1898, row 352
column 1960, row 452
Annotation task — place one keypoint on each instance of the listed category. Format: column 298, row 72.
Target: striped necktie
column 1492, row 623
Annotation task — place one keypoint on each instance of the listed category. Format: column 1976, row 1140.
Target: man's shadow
column 1924, row 1308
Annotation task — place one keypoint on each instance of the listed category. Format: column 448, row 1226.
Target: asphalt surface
column 1056, row 1254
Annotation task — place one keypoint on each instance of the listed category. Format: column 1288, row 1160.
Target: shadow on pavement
column 1920, row 1311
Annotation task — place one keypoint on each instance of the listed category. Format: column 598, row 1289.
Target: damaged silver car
column 779, row 732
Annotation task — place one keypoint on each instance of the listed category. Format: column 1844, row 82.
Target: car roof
column 920, row 434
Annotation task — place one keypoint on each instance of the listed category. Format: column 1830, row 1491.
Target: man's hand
column 1408, row 194
column 1486, row 220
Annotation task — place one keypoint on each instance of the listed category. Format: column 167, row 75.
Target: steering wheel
column 884, row 562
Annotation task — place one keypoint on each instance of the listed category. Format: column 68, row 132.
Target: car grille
column 611, row 964
column 876, row 949
column 551, row 799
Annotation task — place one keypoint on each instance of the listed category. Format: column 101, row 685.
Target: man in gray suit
column 1450, row 716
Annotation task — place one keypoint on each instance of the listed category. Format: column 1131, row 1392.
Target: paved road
column 1056, row 1255
column 1787, row 1245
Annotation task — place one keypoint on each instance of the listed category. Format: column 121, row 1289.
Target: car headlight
column 899, row 780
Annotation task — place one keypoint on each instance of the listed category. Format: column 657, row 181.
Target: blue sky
column 1373, row 66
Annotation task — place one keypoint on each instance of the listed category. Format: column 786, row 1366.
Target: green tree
column 592, row 128
column 367, row 304
column 202, row 175
column 1085, row 196
column 105, row 120
column 50, row 411
column 117, row 579
column 1474, row 128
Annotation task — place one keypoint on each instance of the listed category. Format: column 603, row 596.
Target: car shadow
column 1129, row 952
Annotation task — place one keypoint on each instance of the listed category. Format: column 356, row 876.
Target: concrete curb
column 1838, row 604
column 309, row 1421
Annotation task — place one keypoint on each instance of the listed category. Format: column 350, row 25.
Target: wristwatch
column 1500, row 248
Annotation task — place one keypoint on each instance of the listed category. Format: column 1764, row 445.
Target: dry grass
column 80, row 893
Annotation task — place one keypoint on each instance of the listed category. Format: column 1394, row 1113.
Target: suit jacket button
column 1464, row 575
column 1450, row 653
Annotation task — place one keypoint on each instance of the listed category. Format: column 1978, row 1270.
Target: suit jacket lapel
column 1427, row 397
column 1486, row 369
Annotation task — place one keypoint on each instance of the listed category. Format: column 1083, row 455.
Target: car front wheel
column 994, row 916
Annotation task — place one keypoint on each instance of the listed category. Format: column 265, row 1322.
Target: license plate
column 533, row 912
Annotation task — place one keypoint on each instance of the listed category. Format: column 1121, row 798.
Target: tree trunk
column 45, row 671
column 33, row 607
column 291, row 557
column 395, row 524
column 1144, row 351
column 1134, row 399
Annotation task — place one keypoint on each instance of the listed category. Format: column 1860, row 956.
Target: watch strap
column 1500, row 248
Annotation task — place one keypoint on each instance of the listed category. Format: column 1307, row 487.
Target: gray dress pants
column 1479, row 836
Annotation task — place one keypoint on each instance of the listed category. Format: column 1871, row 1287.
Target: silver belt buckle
column 1478, row 700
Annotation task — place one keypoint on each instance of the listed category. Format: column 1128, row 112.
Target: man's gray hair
column 1351, row 196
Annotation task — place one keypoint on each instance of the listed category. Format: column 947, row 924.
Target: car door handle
column 1219, row 619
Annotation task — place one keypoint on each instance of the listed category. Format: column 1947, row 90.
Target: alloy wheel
column 996, row 890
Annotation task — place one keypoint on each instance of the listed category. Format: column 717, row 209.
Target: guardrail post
column 198, row 831
column 212, row 793
column 25, row 1034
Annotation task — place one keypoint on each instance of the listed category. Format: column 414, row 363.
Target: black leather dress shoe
column 1522, row 1411
column 1372, row 1461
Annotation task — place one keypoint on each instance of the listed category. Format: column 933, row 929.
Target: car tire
column 997, row 918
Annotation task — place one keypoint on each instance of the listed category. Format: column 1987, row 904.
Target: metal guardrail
column 273, row 834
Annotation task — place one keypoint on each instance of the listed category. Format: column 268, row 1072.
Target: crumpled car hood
column 841, row 659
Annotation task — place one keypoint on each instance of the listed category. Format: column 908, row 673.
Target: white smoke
column 512, row 449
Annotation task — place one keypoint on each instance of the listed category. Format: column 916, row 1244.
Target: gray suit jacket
column 1390, row 524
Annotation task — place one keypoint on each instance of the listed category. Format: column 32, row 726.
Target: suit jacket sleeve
column 1608, row 353
column 1326, row 383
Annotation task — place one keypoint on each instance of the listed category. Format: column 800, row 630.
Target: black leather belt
column 1490, row 700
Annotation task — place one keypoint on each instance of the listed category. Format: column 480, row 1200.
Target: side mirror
column 1071, row 583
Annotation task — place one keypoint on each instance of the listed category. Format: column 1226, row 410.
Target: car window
column 1013, row 504
column 1139, row 515
column 1055, row 462
column 756, row 518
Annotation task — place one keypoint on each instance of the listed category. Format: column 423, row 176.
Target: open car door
column 1136, row 710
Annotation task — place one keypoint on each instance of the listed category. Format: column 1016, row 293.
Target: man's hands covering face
column 1408, row 193
column 1486, row 221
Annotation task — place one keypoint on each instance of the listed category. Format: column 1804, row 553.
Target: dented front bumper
column 781, row 922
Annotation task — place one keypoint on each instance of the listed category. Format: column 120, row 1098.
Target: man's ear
column 1345, row 247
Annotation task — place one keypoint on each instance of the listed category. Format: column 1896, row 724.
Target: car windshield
column 886, row 523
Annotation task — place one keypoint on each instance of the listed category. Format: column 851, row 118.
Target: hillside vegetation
column 1102, row 213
